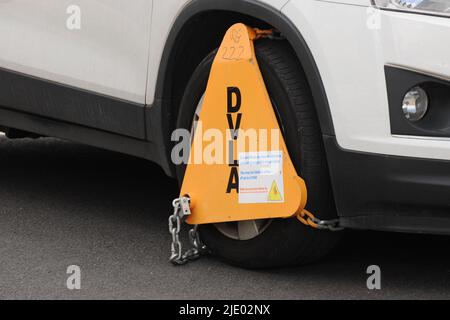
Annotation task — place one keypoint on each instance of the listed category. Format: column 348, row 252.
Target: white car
column 361, row 87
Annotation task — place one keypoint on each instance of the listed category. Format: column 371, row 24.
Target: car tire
column 285, row 242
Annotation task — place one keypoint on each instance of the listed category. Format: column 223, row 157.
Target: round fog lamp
column 415, row 104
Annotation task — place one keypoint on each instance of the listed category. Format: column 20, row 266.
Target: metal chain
column 181, row 210
column 307, row 218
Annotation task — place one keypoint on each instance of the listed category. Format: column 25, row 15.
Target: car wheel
column 273, row 242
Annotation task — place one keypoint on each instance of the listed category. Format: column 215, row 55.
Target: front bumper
column 351, row 45
column 382, row 178
column 390, row 193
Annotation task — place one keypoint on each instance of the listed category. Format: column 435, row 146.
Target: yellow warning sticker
column 261, row 177
column 274, row 193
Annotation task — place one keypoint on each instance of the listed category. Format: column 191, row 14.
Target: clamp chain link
column 181, row 211
column 308, row 219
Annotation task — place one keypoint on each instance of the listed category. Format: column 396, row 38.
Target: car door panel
column 77, row 75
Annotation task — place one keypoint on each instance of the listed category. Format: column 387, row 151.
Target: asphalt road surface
column 64, row 204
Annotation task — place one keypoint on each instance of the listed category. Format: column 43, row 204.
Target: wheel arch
column 201, row 25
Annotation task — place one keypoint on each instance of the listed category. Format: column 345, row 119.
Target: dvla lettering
column 234, row 101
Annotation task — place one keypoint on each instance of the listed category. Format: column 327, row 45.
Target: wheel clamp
column 255, row 182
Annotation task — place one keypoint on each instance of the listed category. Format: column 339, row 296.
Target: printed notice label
column 261, row 177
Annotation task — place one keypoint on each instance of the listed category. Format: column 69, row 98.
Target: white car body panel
column 108, row 55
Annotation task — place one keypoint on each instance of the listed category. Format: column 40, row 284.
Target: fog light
column 415, row 104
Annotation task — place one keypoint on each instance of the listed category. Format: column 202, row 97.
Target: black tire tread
column 284, row 62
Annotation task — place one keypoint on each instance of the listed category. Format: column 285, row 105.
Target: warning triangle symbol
column 274, row 193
